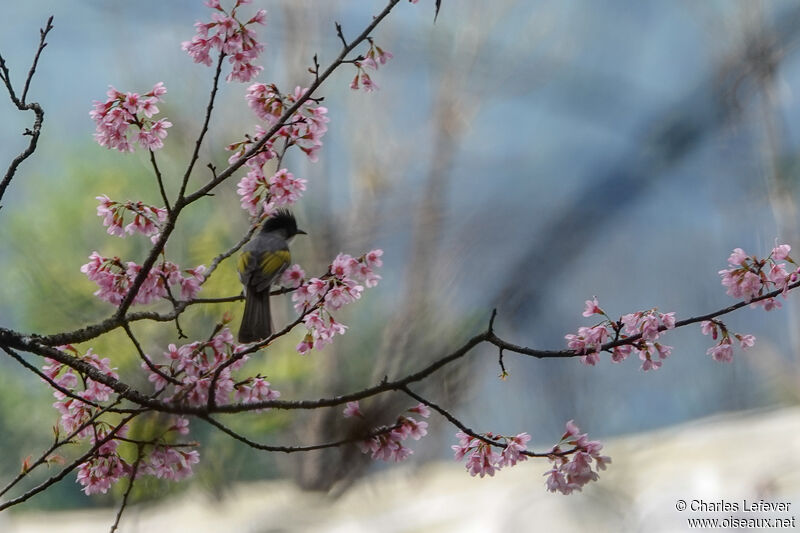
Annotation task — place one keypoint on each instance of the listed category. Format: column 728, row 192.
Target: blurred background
column 523, row 155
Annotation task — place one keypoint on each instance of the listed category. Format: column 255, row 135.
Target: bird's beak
column 301, row 232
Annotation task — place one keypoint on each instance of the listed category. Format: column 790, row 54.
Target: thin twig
column 42, row 36
column 460, row 425
column 23, row 106
column 143, row 356
column 293, row 449
column 45, row 377
column 160, row 181
column 139, row 456
column 209, row 108
column 235, row 248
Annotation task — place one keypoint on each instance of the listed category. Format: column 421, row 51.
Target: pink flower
column 587, row 340
column 781, row 252
column 369, row 86
column 181, row 425
column 422, row 410
column 620, row 353
column 590, row 359
column 230, row 36
column 572, row 472
column 373, row 258
column 667, row 320
column 512, row 453
column 261, row 391
column 746, row 341
column 738, row 257
column 649, row 364
column 304, row 129
column 483, row 460
column 284, row 188
column 190, row 285
column 292, row 277
column 306, row 345
column 592, row 307
column 708, row 326
column 353, row 409
column 768, row 304
column 100, row 472
column 121, row 111
column 723, row 352
column 170, row 463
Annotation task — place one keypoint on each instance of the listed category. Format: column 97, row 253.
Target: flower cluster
column 75, row 413
column 749, row 277
column 168, row 462
column 121, row 110
column 317, row 297
column 573, row 469
column 231, row 37
column 115, row 279
column 723, row 351
column 482, row 459
column 388, row 445
column 375, row 57
column 648, row 325
column 190, row 369
column 146, row 218
column 105, row 466
column 304, row 129
column 267, row 194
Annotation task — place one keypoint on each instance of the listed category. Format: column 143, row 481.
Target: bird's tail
column 256, row 321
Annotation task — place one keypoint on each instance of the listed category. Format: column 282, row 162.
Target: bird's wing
column 258, row 269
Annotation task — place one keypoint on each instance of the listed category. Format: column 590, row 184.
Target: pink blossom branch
column 72, row 466
column 57, row 444
column 225, row 174
column 29, row 344
column 119, row 317
column 254, row 348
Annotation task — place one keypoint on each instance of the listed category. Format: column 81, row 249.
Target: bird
column 261, row 263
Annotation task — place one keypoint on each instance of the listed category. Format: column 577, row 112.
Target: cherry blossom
column 147, row 219
column 318, row 297
column 230, row 35
column 121, row 111
column 388, row 446
column 748, row 277
column 373, row 59
column 352, row 409
column 482, row 457
column 575, row 461
column 723, row 351
column 115, row 279
column 304, row 129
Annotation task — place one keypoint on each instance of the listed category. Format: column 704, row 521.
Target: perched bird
column 262, row 262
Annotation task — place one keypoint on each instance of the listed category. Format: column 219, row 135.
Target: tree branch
column 58, row 477
column 293, row 449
